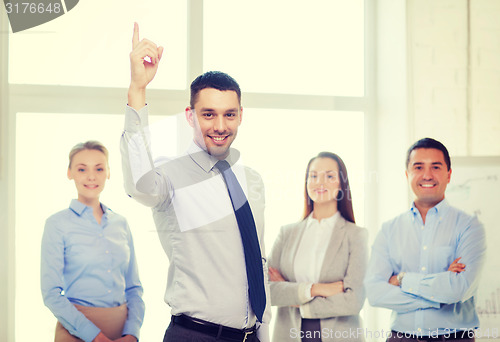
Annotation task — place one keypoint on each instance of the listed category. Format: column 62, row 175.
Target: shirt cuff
column 132, row 327
column 305, row 310
column 135, row 119
column 411, row 283
column 305, row 297
column 308, row 295
column 305, row 292
column 89, row 332
column 130, row 331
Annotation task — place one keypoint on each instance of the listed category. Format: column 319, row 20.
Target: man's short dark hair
column 213, row 79
column 429, row 143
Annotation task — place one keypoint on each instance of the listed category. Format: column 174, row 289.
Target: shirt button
column 432, row 297
column 424, row 268
column 109, row 271
column 100, row 235
column 137, row 123
column 419, row 329
column 423, row 227
column 109, row 291
column 425, row 247
column 107, row 252
column 411, row 289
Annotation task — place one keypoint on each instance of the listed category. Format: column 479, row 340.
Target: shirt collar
column 79, row 208
column 439, row 208
column 206, row 161
column 329, row 221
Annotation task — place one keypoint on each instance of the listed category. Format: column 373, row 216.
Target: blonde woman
column 317, row 265
column 89, row 275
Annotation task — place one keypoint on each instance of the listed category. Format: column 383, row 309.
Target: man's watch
column 400, row 277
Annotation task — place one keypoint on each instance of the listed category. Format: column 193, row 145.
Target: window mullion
column 195, row 40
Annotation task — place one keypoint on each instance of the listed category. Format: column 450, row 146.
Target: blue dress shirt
column 431, row 299
column 89, row 264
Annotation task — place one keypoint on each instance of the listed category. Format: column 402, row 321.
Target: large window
column 289, row 47
column 89, row 45
column 302, row 69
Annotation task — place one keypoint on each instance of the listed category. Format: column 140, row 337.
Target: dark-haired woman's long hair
column 344, row 199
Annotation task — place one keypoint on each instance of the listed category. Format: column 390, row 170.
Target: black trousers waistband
column 215, row 330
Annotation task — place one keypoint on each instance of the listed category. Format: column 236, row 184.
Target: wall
column 454, row 73
column 485, row 77
column 438, row 75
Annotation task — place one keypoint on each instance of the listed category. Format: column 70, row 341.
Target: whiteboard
column 475, row 188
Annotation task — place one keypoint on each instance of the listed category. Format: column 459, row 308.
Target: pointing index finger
column 135, row 37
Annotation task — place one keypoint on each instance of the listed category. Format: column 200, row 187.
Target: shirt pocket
column 443, row 256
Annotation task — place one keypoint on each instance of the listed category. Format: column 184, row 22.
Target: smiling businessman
column 208, row 209
column 426, row 262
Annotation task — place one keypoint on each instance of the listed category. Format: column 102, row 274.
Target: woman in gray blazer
column 317, row 265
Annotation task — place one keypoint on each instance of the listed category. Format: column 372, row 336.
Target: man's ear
column 69, row 174
column 190, row 116
column 241, row 114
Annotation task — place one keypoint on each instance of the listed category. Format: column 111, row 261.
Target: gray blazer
column 345, row 259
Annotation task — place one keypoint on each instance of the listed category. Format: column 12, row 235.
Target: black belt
column 212, row 329
column 464, row 335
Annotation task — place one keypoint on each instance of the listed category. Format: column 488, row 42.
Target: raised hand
column 456, row 266
column 142, row 70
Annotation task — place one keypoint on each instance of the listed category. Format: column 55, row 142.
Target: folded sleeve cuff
column 305, row 310
column 89, row 332
column 128, row 330
column 411, row 283
column 305, row 292
column 135, row 119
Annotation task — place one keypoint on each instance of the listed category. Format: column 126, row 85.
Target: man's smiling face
column 428, row 176
column 215, row 120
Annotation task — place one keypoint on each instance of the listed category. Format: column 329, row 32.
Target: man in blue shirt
column 425, row 263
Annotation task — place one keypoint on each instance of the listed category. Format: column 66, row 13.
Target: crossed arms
column 457, row 283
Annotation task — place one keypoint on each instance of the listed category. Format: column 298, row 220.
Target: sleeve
column 52, row 285
column 378, row 290
column 450, row 287
column 285, row 293
column 143, row 181
column 352, row 299
column 263, row 329
column 133, row 294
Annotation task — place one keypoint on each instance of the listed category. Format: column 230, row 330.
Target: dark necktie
column 248, row 232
